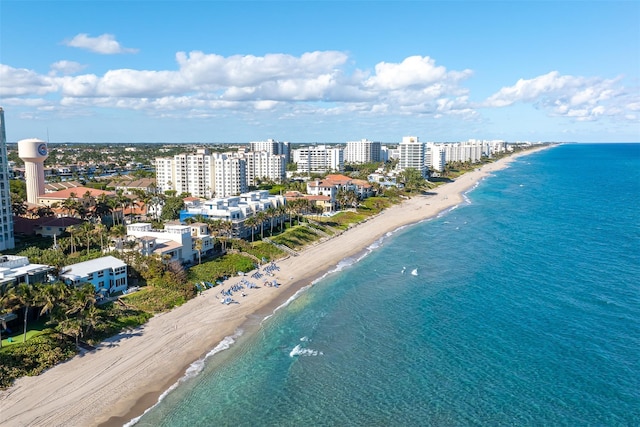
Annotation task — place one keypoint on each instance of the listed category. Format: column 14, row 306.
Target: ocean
column 519, row 307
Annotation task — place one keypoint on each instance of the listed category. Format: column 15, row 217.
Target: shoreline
column 127, row 373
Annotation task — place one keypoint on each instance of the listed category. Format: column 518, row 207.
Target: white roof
column 83, row 268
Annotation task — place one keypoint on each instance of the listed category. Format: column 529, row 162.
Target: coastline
column 127, row 373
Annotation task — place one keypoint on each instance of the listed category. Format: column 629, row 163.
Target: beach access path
column 127, row 373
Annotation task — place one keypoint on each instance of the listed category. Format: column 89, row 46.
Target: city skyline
column 320, row 71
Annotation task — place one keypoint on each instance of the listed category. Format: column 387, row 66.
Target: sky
column 320, row 71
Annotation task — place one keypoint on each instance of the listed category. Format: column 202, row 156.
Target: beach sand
column 126, row 374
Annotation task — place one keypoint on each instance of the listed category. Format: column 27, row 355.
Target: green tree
column 18, row 206
column 24, row 295
column 412, row 179
column 80, row 313
column 171, row 209
column 251, row 222
column 198, row 247
column 19, row 188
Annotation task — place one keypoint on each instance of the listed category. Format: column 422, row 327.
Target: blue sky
column 320, row 71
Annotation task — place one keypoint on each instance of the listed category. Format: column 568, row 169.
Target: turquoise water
column 524, row 310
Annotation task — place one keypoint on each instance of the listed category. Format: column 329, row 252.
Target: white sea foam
column 193, row 370
column 304, row 339
column 301, row 351
column 287, row 302
column 414, row 272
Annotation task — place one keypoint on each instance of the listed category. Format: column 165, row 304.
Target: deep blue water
column 524, row 310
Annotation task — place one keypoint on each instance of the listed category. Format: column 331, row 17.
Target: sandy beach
column 126, row 374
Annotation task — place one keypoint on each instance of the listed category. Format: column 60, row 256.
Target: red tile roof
column 79, row 192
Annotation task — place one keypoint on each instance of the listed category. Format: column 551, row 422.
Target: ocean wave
column 192, row 371
column 298, row 350
column 288, row 301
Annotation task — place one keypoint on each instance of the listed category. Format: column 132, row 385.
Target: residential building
column 435, row 156
column 272, row 147
column 319, row 159
column 81, row 194
column 187, row 173
column 263, row 166
column 235, row 209
column 173, row 243
column 363, row 151
column 108, row 275
column 230, row 175
column 6, row 216
column 17, row 269
column 200, row 233
column 130, row 186
column 412, row 155
column 325, row 202
column 46, row 226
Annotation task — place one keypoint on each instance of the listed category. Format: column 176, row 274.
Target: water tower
column 34, row 152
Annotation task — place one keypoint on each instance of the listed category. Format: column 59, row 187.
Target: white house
column 174, row 242
column 17, row 269
column 107, row 274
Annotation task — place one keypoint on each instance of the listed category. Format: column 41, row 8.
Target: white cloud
column 314, row 83
column 23, row 82
column 66, row 67
column 105, row 44
column 579, row 98
column 413, row 72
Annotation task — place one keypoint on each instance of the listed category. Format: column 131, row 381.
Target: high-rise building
column 435, row 156
column 273, row 147
column 6, row 218
column 363, row 151
column 33, row 152
column 412, row 155
column 187, row 173
column 230, row 174
column 262, row 166
column 319, row 159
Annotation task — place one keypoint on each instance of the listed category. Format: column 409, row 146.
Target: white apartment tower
column 187, row 173
column 319, row 159
column 271, row 146
column 435, row 156
column 264, row 166
column 230, row 175
column 412, row 155
column 6, row 218
column 363, row 151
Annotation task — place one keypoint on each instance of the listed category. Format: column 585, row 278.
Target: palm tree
column 44, row 211
column 80, row 311
column 72, row 230
column 270, row 214
column 198, row 247
column 214, row 227
column 282, row 212
column 5, row 304
column 24, row 295
column 71, row 205
column 100, row 229
column 102, row 208
column 291, row 209
column 51, row 295
column 87, row 231
column 252, row 223
column 18, row 207
column 226, row 227
column 261, row 216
